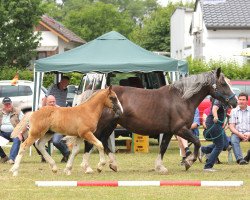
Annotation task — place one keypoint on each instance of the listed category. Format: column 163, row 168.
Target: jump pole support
column 137, row 183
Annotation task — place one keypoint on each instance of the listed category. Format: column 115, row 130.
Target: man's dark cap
column 6, row 100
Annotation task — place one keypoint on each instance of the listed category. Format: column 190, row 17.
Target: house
column 181, row 41
column 55, row 38
column 220, row 30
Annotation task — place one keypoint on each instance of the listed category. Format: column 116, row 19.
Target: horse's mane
column 86, row 96
column 191, row 85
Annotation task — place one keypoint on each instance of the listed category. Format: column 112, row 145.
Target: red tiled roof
column 61, row 30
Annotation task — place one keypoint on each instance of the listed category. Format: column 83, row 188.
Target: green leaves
column 17, row 41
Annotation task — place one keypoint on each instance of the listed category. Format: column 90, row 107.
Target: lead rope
column 207, row 131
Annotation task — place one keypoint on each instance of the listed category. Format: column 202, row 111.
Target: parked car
column 71, row 94
column 20, row 93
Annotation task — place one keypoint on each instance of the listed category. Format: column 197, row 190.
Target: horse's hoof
column 99, row 170
column 67, row 171
column 188, row 164
column 89, row 171
column 15, row 173
column 161, row 170
column 113, row 167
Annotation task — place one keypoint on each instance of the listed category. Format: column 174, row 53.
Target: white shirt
column 6, row 126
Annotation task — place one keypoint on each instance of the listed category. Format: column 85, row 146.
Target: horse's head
column 221, row 89
column 113, row 102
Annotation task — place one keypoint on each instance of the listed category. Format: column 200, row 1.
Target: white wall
column 48, row 39
column 223, row 45
column 181, row 40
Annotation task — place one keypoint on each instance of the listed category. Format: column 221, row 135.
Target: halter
column 217, row 93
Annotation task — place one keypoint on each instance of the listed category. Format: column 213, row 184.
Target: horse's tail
column 22, row 126
column 72, row 140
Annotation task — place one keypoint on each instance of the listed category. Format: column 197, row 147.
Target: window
column 12, row 91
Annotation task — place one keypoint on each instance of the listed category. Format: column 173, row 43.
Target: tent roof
column 109, row 52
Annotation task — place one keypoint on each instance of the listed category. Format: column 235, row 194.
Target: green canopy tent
column 107, row 53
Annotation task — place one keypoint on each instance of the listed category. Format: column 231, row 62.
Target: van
column 20, row 93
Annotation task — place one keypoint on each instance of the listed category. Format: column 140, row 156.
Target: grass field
column 137, row 166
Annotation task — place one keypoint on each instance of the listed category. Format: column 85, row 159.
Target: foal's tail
column 72, row 140
column 22, row 126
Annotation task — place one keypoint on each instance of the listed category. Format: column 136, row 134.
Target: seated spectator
column 239, row 125
column 9, row 118
column 183, row 144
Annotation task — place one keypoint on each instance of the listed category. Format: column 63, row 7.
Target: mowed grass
column 138, row 166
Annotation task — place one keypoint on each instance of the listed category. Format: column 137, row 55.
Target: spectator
column 9, row 117
column 183, row 144
column 239, row 125
column 216, row 133
column 59, row 91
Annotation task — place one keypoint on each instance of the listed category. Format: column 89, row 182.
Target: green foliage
column 17, row 20
column 154, row 34
column 96, row 19
column 231, row 69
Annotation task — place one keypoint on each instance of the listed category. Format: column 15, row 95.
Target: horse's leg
column 23, row 147
column 190, row 137
column 93, row 140
column 74, row 152
column 40, row 145
column 85, row 159
column 159, row 167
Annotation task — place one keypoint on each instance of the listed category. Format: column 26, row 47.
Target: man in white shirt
column 239, row 124
column 9, row 117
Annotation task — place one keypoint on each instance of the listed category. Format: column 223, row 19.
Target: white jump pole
column 138, row 183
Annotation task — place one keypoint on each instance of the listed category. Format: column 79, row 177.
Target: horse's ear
column 110, row 89
column 218, row 71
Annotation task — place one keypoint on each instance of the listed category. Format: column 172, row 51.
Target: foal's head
column 221, row 89
column 113, row 102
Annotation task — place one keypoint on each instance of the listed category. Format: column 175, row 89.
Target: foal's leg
column 159, row 167
column 23, row 147
column 40, row 145
column 85, row 159
column 74, row 152
column 190, row 137
column 93, row 140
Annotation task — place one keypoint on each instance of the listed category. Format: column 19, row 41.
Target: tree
column 17, row 39
column 154, row 34
column 96, row 19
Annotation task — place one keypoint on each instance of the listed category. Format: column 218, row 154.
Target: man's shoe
column 247, row 158
column 209, row 170
column 242, row 162
column 218, row 161
column 65, row 158
column 4, row 159
column 10, row 161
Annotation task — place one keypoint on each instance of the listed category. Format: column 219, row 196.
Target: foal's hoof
column 88, row 170
column 67, row 171
column 54, row 169
column 15, row 173
column 113, row 167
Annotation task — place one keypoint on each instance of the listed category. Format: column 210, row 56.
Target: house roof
column 228, row 14
column 60, row 30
